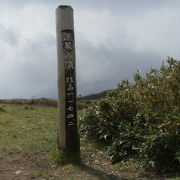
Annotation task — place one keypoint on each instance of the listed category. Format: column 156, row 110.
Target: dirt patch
column 21, row 167
column 93, row 167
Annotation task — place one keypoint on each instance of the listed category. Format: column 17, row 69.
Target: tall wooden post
column 68, row 136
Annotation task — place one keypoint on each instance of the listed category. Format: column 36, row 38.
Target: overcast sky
column 114, row 39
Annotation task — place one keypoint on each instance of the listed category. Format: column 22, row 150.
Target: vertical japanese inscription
column 68, row 136
column 70, row 79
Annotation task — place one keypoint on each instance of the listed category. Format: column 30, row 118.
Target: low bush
column 140, row 120
column 36, row 102
column 41, row 102
column 82, row 105
column 2, row 109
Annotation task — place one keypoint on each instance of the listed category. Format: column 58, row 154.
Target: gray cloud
column 37, row 70
column 113, row 40
column 113, row 5
column 8, row 36
column 104, row 67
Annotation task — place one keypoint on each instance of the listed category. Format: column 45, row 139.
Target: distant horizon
column 34, row 97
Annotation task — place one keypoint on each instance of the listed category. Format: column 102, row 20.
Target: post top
column 64, row 16
column 64, row 7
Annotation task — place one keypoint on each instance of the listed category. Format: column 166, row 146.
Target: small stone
column 18, row 172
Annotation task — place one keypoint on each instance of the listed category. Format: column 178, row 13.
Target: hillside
column 95, row 96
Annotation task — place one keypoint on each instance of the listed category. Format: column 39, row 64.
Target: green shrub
column 140, row 120
column 178, row 154
column 158, row 150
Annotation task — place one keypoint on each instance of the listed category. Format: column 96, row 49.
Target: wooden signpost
column 68, row 137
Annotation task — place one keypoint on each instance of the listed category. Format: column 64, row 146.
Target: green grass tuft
column 63, row 157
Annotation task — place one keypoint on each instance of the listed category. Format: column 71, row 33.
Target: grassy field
column 28, row 144
column 27, row 129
